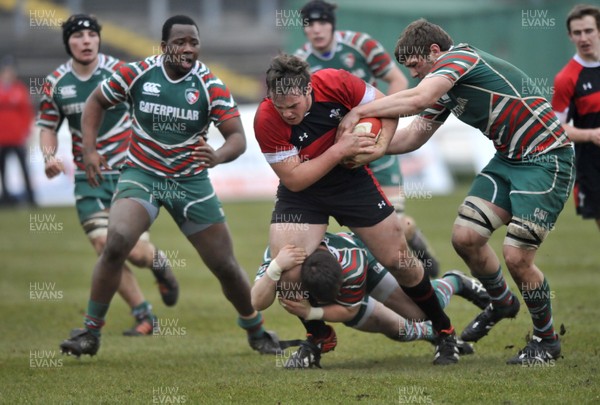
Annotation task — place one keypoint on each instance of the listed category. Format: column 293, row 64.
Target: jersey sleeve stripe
column 280, row 156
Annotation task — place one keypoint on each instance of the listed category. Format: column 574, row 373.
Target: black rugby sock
column 424, row 296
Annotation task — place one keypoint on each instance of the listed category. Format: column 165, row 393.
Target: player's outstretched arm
column 413, row 136
column 402, row 104
column 93, row 114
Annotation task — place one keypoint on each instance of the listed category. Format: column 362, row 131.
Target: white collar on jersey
column 586, row 63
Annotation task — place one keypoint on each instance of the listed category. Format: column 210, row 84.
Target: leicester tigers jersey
column 169, row 116
column 354, row 52
column 354, row 261
column 494, row 96
column 64, row 97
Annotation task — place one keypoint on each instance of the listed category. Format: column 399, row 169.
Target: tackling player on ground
column 65, row 92
column 341, row 281
column 524, row 186
column 176, row 88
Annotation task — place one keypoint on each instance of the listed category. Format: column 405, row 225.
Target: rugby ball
column 365, row 126
column 368, row 126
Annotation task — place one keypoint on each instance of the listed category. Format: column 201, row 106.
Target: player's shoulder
column 463, row 51
column 60, row 73
column 304, row 51
column 141, row 66
column 330, row 82
column 203, row 73
column 108, row 62
column 569, row 73
column 352, row 38
column 329, row 76
column 266, row 116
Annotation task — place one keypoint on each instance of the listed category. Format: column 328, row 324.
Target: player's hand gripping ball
column 364, row 126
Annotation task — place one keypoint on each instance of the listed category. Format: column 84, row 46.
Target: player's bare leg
column 394, row 326
column 545, row 344
column 128, row 219
column 145, row 254
column 215, row 247
column 470, row 240
column 132, row 294
column 129, row 288
column 414, row 237
column 387, row 243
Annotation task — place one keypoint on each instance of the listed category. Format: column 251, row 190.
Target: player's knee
column 408, row 225
column 517, row 263
column 227, row 270
column 117, row 247
column 98, row 244
column 475, row 215
column 464, row 240
column 142, row 253
column 524, row 234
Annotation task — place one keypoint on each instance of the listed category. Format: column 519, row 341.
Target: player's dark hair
column 580, row 11
column 176, row 19
column 321, row 276
column 78, row 22
column 287, row 74
column 417, row 38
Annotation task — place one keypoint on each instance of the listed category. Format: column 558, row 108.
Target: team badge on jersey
column 349, row 60
column 192, row 95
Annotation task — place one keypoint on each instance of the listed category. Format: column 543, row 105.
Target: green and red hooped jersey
column 168, row 116
column 494, row 96
column 354, row 52
column 353, row 260
column 64, row 97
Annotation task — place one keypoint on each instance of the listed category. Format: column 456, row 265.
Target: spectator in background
column 16, row 116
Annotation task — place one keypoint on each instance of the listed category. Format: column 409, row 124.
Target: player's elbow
column 294, row 185
column 422, row 101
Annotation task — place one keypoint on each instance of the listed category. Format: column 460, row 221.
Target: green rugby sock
column 94, row 317
column 445, row 289
column 540, row 308
column 254, row 326
column 142, row 311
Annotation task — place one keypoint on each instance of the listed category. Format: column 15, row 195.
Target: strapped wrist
column 274, row 271
column 315, row 314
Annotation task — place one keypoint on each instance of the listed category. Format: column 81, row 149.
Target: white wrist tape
column 274, row 271
column 315, row 314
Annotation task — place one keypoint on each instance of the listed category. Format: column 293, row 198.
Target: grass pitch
column 203, row 356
